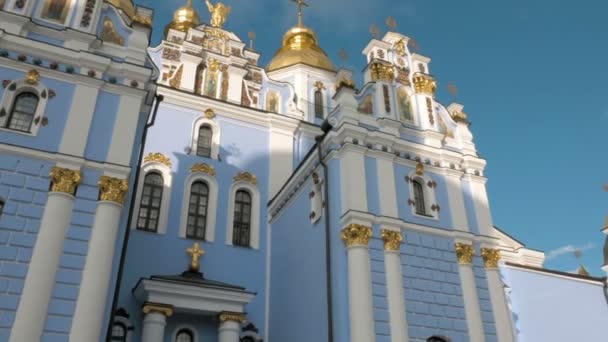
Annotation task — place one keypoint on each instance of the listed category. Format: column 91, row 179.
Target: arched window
column 436, row 339
column 419, row 198
column 119, row 333
column 242, row 219
column 1, row 208
column 151, row 198
column 197, row 211
column 22, row 114
column 203, row 146
column 318, row 104
column 184, row 335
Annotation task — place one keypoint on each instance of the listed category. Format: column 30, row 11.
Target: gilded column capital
column 382, row 72
column 232, row 317
column 490, row 257
column 424, row 84
column 356, row 235
column 112, row 189
column 465, row 253
column 65, row 180
column 164, row 309
column 392, row 239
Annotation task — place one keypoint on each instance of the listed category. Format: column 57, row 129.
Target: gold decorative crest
column 246, row 177
column 382, row 72
column 204, row 168
column 419, row 169
column 464, row 253
column 112, row 189
column 232, row 317
column 356, row 235
column 490, row 257
column 32, row 77
column 392, row 239
column 209, row 113
column 65, row 180
column 158, row 158
column 400, row 48
column 319, row 85
column 424, row 84
column 163, row 309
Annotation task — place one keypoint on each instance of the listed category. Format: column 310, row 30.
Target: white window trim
column 8, row 102
column 211, row 204
column 254, row 238
column 124, row 321
column 428, row 193
column 182, row 327
column 165, row 171
column 215, row 137
column 314, row 104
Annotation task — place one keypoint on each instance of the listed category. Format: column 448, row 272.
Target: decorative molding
column 491, row 257
column 65, row 180
column 424, row 84
column 158, row 158
column 246, row 177
column 112, row 189
column 356, row 235
column 392, row 239
column 209, row 113
column 382, row 72
column 163, row 309
column 232, row 317
column 465, row 253
column 89, row 7
column 204, row 168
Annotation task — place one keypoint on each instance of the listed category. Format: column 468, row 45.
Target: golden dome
column 125, row 5
column 300, row 45
column 184, row 18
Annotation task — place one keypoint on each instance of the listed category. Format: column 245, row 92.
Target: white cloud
column 568, row 249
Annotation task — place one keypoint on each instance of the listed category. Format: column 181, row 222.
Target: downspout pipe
column 326, row 127
column 123, row 253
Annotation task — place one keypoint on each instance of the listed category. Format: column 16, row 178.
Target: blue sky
column 531, row 74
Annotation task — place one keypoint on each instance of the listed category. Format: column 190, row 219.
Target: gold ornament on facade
column 143, row 20
column 32, row 77
column 163, row 309
column 219, row 13
column 419, row 169
column 112, row 189
column 246, row 177
column 345, row 82
column 400, row 48
column 392, row 239
column 319, row 85
column 109, row 33
column 460, row 117
column 204, row 168
column 209, row 113
column 232, row 317
column 176, row 81
column 464, row 253
column 184, row 18
column 195, row 253
column 424, row 84
column 356, row 235
column 158, row 158
column 65, row 180
column 490, row 257
column 382, row 72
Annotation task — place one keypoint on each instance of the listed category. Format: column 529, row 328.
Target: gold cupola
column 125, row 5
column 300, row 46
column 184, row 18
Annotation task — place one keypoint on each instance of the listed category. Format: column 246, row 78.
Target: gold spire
column 300, row 46
column 184, row 18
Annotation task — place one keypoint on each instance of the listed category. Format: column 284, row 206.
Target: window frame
column 318, row 104
column 185, row 327
column 11, row 114
column 212, row 185
column 215, row 136
column 241, row 204
column 165, row 172
column 8, row 101
column 254, row 228
column 429, row 195
column 151, row 207
column 198, row 141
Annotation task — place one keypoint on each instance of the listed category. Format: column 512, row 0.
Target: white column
column 40, row 279
column 230, row 326
column 465, row 254
column 356, row 237
column 394, row 283
column 90, row 307
column 155, row 320
column 502, row 314
column 456, row 200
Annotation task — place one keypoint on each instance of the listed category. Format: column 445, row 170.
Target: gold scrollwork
column 491, row 257
column 356, row 235
column 209, row 113
column 246, row 177
column 424, row 84
column 465, row 253
column 392, row 239
column 319, row 85
column 112, row 189
column 204, row 168
column 65, row 180
column 32, row 77
column 382, row 72
column 232, row 317
column 158, row 158
column 163, row 309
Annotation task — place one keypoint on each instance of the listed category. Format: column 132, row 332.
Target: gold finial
column 32, row 77
column 391, row 23
column 112, row 189
column 252, row 37
column 356, row 235
column 392, row 239
column 300, row 4
column 464, row 253
column 65, row 180
column 219, row 13
column 490, row 257
column 196, row 252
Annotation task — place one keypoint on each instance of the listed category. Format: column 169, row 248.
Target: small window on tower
column 205, row 135
column 387, row 100
column 419, row 198
column 318, row 104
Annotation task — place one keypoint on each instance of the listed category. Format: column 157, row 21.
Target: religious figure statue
column 219, row 13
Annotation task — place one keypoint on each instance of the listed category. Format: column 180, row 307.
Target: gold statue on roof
column 219, row 13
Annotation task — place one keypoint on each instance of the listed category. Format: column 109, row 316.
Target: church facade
column 184, row 193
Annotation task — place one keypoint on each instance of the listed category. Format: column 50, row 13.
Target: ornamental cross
column 300, row 4
column 196, row 252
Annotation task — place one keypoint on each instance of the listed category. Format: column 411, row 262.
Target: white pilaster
column 190, row 65
column 502, row 314
column 356, row 237
column 396, row 301
column 456, row 200
column 386, row 187
column 281, row 158
column 125, row 125
column 80, row 118
column 235, row 86
column 481, row 204
column 40, row 279
column 88, row 317
column 465, row 254
column 353, row 185
column 230, row 327
column 155, row 320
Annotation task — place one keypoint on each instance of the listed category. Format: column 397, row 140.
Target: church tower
column 77, row 89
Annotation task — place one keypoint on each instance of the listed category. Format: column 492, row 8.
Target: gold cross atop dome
column 300, row 4
column 196, row 252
